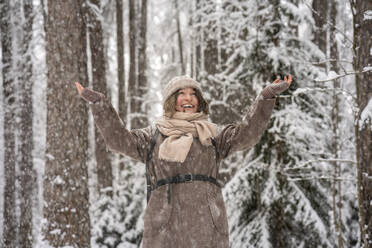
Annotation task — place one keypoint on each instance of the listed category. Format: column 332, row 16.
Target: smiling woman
column 187, row 101
column 186, row 207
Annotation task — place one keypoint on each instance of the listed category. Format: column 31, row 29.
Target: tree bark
column 104, row 168
column 27, row 174
column 66, row 193
column 179, row 36
column 120, row 57
column 363, row 131
column 10, row 224
column 141, row 120
column 132, row 80
column 336, row 184
column 320, row 14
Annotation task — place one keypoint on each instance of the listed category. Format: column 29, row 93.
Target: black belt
column 187, row 178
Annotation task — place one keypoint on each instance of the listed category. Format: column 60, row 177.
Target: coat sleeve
column 118, row 138
column 241, row 136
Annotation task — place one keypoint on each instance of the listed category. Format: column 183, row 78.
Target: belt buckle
column 188, row 178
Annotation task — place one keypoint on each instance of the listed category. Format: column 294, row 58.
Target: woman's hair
column 169, row 106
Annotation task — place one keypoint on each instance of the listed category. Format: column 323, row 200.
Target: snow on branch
column 321, row 160
column 321, row 177
column 335, row 77
column 331, row 60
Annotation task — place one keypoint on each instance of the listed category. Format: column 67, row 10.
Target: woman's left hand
column 277, row 87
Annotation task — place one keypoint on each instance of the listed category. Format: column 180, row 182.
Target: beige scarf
column 181, row 130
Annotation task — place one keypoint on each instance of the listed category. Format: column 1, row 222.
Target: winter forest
column 307, row 183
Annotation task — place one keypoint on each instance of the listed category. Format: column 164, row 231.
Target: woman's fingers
column 290, row 79
column 79, row 87
column 286, row 79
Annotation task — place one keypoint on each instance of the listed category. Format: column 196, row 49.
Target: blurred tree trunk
column 320, row 14
column 191, row 13
column 123, row 92
column 198, row 39
column 140, row 120
column 121, row 61
column 132, row 80
column 27, row 174
column 335, row 115
column 179, row 35
column 10, row 224
column 104, row 168
column 66, row 193
column 363, row 131
column 210, row 41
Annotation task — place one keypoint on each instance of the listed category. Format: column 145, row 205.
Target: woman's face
column 187, row 101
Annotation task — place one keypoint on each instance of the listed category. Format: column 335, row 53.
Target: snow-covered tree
column 280, row 202
column 362, row 63
column 66, row 196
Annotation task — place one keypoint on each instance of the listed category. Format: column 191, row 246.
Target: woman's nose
column 188, row 97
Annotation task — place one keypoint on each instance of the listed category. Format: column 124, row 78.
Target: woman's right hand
column 88, row 94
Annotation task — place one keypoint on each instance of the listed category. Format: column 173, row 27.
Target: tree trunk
column 363, row 123
column 27, row 175
column 121, row 61
column 179, row 35
column 104, row 168
column 141, row 120
column 123, row 92
column 66, row 193
column 320, row 14
column 336, row 184
column 132, row 80
column 10, row 224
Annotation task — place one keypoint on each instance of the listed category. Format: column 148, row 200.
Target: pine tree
column 362, row 61
column 279, row 204
column 98, row 60
column 9, row 102
column 66, row 196
column 27, row 175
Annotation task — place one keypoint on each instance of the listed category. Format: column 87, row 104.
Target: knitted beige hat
column 178, row 83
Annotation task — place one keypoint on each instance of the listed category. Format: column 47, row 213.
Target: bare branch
column 320, row 177
column 343, row 75
column 331, row 60
column 321, row 160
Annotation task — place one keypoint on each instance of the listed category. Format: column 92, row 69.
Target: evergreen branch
column 338, row 90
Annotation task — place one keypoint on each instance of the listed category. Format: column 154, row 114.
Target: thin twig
column 343, row 75
column 321, row 160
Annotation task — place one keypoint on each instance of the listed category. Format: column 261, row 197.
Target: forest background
column 307, row 183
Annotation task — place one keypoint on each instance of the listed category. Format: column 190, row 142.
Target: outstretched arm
column 237, row 137
column 117, row 137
